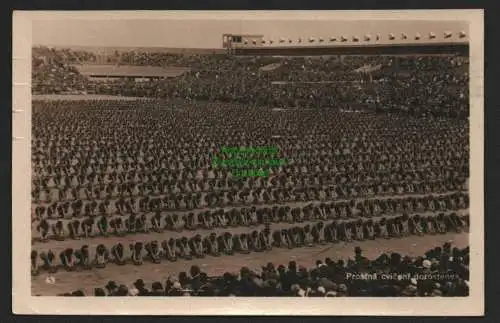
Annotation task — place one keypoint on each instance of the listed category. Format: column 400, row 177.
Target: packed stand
column 53, row 72
column 426, row 85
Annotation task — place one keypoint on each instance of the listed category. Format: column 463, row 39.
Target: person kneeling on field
column 369, row 229
column 43, row 228
column 48, row 261
column 170, row 249
column 393, row 227
column 381, row 229
column 296, row 236
column 226, row 240
column 153, row 251
column 118, row 228
column 221, row 219
column 318, row 233
column 428, row 225
column 208, row 220
column 321, row 212
column 289, row 215
column 212, row 244
column 196, row 244
column 136, row 253
column 184, row 249
column 141, row 224
column 192, row 222
column 67, row 259
column 87, row 227
column 255, row 241
column 345, row 231
column 405, row 226
column 34, row 265
column 102, row 255
column 267, row 237
column 440, row 223
column 284, row 239
column 241, row 243
column 307, row 236
column 359, row 230
column 454, row 223
column 83, row 257
column 74, row 229
column 130, row 223
column 242, row 218
column 253, row 218
column 416, row 225
column 156, row 222
column 465, row 219
column 298, row 215
column 275, row 214
column 235, row 217
column 58, row 229
column 103, row 225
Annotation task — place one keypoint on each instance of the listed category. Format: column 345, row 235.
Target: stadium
column 267, row 167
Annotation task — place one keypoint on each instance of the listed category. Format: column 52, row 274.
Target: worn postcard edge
column 24, row 303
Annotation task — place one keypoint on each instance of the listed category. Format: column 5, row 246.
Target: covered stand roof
column 130, row 71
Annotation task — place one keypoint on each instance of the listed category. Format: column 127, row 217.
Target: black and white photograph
column 279, row 159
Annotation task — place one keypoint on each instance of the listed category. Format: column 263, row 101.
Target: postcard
column 255, row 162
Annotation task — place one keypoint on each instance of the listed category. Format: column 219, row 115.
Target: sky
column 174, row 32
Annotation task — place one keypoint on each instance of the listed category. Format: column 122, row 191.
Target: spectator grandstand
column 431, row 85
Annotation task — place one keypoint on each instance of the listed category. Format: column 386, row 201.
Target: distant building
column 231, row 41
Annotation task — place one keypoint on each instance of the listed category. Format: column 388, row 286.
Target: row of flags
column 343, row 38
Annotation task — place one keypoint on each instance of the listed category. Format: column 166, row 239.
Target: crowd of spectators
column 440, row 272
column 53, row 72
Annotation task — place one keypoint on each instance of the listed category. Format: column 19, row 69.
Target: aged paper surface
column 101, row 94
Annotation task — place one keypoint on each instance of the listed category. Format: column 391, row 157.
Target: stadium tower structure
column 231, row 42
